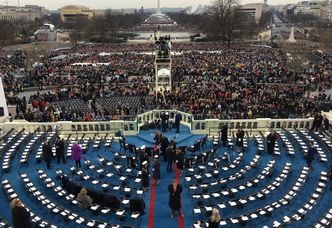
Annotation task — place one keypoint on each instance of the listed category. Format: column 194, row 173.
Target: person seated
column 84, row 201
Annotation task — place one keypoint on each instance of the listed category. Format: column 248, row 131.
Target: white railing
column 207, row 126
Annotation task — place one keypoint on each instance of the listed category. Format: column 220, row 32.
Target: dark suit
column 170, row 155
column 145, row 178
column 239, row 138
column 180, row 160
column 60, row 150
column 163, row 146
column 271, row 140
column 174, row 201
column 224, row 131
column 21, row 218
column 47, row 155
column 178, row 118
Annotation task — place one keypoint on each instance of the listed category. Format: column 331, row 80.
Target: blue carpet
column 162, row 211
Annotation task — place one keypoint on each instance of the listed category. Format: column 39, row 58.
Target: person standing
column 143, row 156
column 312, row 151
column 155, row 150
column 170, row 158
column 224, row 131
column 77, row 154
column 145, row 176
column 20, row 216
column 317, row 123
column 173, row 143
column 239, row 139
column 326, row 123
column 214, row 219
column 329, row 175
column 83, row 200
column 271, row 141
column 47, row 154
column 163, row 121
column 163, row 146
column 60, row 150
column 157, row 137
column 174, row 201
column 178, row 118
column 179, row 160
column 167, row 120
column 156, row 170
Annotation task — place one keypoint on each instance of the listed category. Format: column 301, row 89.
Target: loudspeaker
column 2, row 111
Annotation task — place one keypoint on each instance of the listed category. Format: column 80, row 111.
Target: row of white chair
column 252, row 197
column 325, row 220
column 56, row 209
column 11, row 194
column 15, row 147
column 30, row 146
column 268, row 210
column 250, row 183
column 322, row 155
column 224, row 181
column 309, row 205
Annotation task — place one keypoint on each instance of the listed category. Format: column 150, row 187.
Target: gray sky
column 118, row 4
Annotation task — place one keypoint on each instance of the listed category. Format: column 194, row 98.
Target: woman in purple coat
column 76, row 153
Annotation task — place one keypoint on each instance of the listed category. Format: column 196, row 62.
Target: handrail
column 207, row 126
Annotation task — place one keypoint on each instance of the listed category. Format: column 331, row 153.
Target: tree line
column 222, row 21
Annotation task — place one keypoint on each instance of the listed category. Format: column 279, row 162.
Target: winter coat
column 21, row 218
column 84, row 201
column 47, row 153
column 76, row 152
column 174, row 201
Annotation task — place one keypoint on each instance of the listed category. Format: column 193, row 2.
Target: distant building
column 251, row 13
column 158, row 21
column 70, row 12
column 27, row 13
column 308, row 7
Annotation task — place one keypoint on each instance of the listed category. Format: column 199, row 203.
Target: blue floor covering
column 162, row 212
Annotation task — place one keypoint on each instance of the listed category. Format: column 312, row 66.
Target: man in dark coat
column 163, row 146
column 317, row 123
column 60, row 150
column 326, row 123
column 170, row 155
column 312, row 151
column 224, row 131
column 178, row 118
column 20, row 216
column 47, row 154
column 271, row 140
column 143, row 155
column 145, row 176
column 239, row 139
column 179, row 160
column 163, row 121
column 174, row 201
column 156, row 170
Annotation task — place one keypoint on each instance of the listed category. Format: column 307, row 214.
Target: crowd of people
column 211, row 80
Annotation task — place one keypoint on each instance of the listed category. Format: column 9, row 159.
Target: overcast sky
column 118, row 4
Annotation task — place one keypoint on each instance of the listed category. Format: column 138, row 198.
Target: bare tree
column 8, row 33
column 223, row 19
